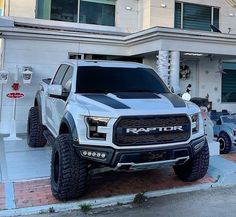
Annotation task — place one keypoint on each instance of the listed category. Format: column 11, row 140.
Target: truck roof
column 108, row 63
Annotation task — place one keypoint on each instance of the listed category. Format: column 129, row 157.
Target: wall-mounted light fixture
column 231, row 14
column 163, row 5
column 128, row 8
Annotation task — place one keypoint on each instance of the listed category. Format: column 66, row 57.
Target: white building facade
column 174, row 37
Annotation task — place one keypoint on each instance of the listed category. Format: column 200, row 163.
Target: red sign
column 15, row 86
column 15, row 95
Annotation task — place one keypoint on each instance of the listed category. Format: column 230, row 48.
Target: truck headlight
column 195, row 123
column 92, row 124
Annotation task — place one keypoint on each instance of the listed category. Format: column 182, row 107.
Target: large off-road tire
column 68, row 171
column 35, row 137
column 195, row 168
column 225, row 143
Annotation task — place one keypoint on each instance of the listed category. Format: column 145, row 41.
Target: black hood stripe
column 175, row 100
column 107, row 101
column 136, row 95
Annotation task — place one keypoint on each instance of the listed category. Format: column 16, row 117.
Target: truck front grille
column 148, row 130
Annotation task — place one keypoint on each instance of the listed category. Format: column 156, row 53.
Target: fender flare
column 37, row 102
column 37, row 99
column 68, row 120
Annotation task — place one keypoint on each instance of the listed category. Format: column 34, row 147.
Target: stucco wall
column 127, row 19
column 44, row 58
column 143, row 14
column 210, row 83
column 20, row 8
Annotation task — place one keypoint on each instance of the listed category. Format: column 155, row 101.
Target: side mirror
column 55, row 89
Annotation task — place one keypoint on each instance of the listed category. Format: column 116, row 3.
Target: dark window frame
column 179, row 15
column 62, row 74
column 70, row 69
column 103, row 7
column 226, row 95
column 42, row 13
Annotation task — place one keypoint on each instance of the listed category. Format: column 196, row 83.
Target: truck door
column 50, row 100
column 59, row 104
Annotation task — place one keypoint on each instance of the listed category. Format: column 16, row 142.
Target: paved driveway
column 25, row 178
column 19, row 162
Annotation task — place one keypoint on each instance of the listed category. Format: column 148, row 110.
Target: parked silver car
column 225, row 131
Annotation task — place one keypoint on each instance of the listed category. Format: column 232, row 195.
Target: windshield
column 95, row 79
column 229, row 119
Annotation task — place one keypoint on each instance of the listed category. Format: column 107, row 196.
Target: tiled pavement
column 35, row 193
column 2, row 197
column 231, row 157
column 34, row 164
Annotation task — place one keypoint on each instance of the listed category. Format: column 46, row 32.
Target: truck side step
column 49, row 137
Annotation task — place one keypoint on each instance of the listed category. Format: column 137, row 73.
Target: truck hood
column 123, row 104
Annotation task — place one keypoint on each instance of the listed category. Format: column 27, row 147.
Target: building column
column 163, row 66
column 174, row 71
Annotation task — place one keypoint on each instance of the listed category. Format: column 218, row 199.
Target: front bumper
column 148, row 158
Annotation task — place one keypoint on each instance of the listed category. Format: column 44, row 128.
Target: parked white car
column 117, row 115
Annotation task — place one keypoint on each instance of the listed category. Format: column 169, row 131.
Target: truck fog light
column 103, row 155
column 93, row 154
column 84, row 153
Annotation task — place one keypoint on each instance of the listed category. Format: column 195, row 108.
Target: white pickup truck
column 116, row 115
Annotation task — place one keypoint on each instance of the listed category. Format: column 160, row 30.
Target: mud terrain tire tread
column 35, row 137
column 195, row 168
column 72, row 170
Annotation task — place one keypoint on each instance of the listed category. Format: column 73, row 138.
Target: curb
column 103, row 202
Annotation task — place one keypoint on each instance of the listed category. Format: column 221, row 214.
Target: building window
column 195, row 17
column 100, row 12
column 64, row 10
column 228, row 83
column 43, row 9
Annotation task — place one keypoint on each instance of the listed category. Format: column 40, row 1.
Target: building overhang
column 92, row 39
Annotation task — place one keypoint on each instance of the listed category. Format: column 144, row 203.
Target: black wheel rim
column 222, row 144
column 56, row 167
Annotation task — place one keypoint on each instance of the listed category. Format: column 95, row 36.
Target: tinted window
column 60, row 74
column 97, row 12
column 64, row 10
column 228, row 86
column 67, row 80
column 107, row 80
column 196, row 17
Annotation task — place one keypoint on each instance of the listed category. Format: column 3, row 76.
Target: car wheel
column 35, row 137
column 195, row 168
column 68, row 170
column 225, row 143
